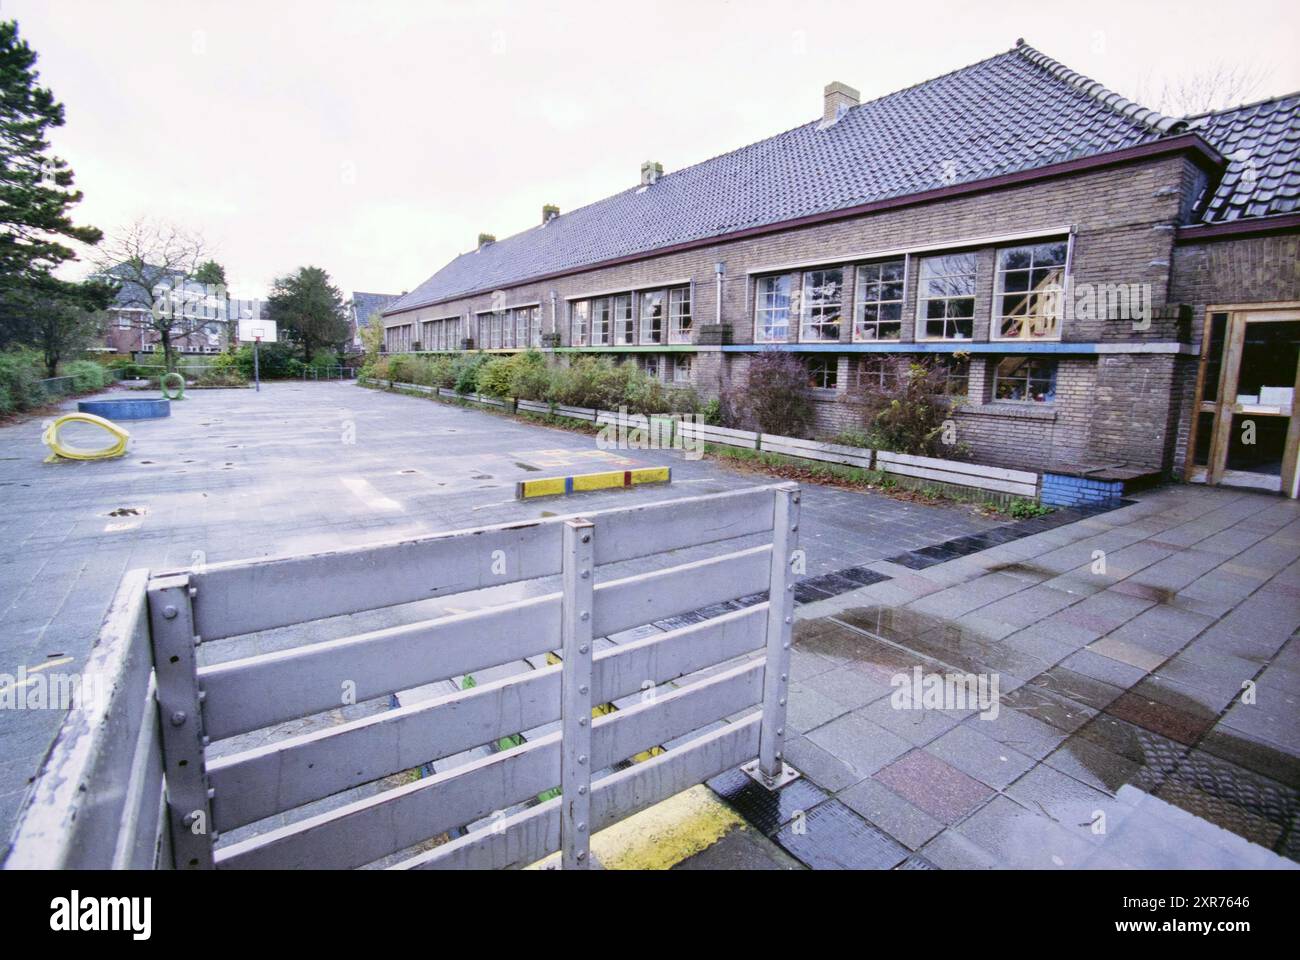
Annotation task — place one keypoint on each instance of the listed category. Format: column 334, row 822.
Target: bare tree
column 154, row 264
column 1215, row 86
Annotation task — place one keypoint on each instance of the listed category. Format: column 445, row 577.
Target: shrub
column 772, row 397
column 1022, row 509
column 86, row 375
column 465, row 369
column 589, row 382
column 532, row 377
column 911, row 412
column 19, row 389
column 275, row 361
column 852, row 438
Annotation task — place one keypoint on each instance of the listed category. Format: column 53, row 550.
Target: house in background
column 361, row 307
column 125, row 328
column 1114, row 293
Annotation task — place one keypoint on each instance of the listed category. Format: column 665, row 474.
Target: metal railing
column 129, row 781
column 332, row 372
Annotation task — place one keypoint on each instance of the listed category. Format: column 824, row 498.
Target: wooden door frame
column 1238, row 316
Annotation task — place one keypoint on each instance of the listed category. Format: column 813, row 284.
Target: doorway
column 1245, row 433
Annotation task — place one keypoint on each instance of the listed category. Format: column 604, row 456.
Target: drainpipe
column 719, row 269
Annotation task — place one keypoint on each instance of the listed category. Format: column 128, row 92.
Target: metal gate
column 133, row 780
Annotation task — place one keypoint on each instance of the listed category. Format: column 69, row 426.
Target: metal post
column 189, row 807
column 770, row 769
column 575, row 695
column 257, row 372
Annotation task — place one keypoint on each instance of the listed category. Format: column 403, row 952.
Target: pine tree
column 36, row 187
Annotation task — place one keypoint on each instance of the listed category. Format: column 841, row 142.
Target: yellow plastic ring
column 60, row 449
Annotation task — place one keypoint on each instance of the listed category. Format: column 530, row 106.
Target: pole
column 257, row 372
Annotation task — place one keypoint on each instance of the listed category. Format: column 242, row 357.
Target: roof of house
column 368, row 304
column 1016, row 111
column 1261, row 142
column 132, row 294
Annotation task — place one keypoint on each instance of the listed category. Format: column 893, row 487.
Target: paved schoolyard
column 235, row 474
column 1149, row 678
column 1145, row 657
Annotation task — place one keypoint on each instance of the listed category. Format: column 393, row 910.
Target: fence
column 331, row 372
column 99, row 799
column 950, row 473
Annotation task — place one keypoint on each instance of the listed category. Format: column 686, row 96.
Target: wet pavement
column 1147, row 677
column 235, row 474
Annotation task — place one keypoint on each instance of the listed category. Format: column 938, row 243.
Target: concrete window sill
column 1017, row 411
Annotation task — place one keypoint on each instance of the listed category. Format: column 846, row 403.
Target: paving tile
column 808, row 708
column 952, row 851
column 849, row 688
column 833, row 837
column 974, row 754
column 917, row 726
column 1023, row 839
column 1019, row 731
column 1044, row 704
column 740, row 849
column 1187, row 726
column 1088, row 813
column 863, row 745
column 885, row 809
column 943, row 792
column 1076, row 687
column 819, row 765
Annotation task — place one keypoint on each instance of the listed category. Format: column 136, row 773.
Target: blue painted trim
column 568, row 484
column 951, row 346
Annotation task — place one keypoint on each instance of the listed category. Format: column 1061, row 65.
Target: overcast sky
column 378, row 139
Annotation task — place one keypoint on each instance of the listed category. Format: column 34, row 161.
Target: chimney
column 651, row 171
column 549, row 212
column 839, row 98
column 484, row 239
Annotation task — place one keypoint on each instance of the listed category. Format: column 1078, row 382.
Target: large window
column 682, row 368
column 956, row 375
column 600, row 322
column 1029, row 295
column 650, row 364
column 652, row 316
column 1027, row 379
column 679, row 315
column 823, row 292
column 878, row 301
column 772, row 310
column 823, row 372
column 624, row 327
column 946, row 297
column 579, row 315
column 878, row 373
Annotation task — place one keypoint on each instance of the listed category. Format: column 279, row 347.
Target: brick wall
column 1108, row 408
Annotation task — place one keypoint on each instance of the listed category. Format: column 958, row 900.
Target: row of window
column 664, row 317
column 518, row 327
column 440, row 335
column 1028, row 296
column 1027, row 379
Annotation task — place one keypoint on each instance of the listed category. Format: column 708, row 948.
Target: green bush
column 913, row 413
column 19, row 390
column 465, row 368
column 275, row 361
column 86, row 375
column 1023, row 509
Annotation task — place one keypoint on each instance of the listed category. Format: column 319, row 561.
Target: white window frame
column 601, row 330
column 922, row 325
column 764, row 311
column 814, row 314
column 860, row 303
column 579, row 322
column 682, row 363
column 1058, row 291
column 623, row 328
column 1031, row 359
column 659, row 296
column 677, row 296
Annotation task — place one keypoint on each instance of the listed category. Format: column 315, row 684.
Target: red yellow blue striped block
column 604, row 480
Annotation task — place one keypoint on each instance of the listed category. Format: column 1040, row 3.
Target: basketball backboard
column 256, row 329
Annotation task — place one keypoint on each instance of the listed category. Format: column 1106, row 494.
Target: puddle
column 127, row 512
column 1197, row 795
column 482, row 476
column 527, row 466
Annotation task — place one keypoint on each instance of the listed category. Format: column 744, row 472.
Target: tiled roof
column 1261, row 142
column 368, row 304
column 1015, row 111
